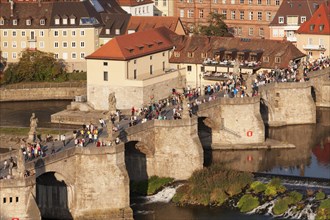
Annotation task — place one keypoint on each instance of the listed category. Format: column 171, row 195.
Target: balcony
column 32, row 39
column 313, row 47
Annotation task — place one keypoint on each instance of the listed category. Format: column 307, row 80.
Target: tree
column 35, row 66
column 216, row 27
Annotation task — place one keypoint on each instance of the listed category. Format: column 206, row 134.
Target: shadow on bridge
column 205, row 137
column 52, row 196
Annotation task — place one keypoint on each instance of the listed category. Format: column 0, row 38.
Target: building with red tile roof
column 137, row 7
column 314, row 35
column 142, row 23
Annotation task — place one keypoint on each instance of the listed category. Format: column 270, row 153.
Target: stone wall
column 41, row 93
column 172, row 148
column 288, row 103
column 234, row 120
column 320, row 83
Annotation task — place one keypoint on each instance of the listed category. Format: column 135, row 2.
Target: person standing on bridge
column 63, row 139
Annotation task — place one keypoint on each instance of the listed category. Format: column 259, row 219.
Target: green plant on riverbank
column 258, row 187
column 150, row 186
column 274, row 187
column 282, row 204
column 320, row 195
column 247, row 203
column 25, row 131
column 323, row 212
column 212, row 186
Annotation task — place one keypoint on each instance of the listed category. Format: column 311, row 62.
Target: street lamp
column 59, row 128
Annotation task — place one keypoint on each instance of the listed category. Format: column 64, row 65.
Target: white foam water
column 164, row 195
column 268, row 205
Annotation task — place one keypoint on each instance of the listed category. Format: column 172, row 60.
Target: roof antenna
column 11, row 8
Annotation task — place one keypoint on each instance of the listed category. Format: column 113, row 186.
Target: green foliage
column 282, row 205
column 216, row 27
column 323, row 212
column 320, row 195
column 274, row 187
column 213, row 185
column 77, row 76
column 270, row 190
column 150, row 186
column 295, row 197
column 35, row 66
column 248, row 203
column 258, row 186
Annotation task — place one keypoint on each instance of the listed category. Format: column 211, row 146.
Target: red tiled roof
column 129, row 46
column 133, row 2
column 142, row 23
column 319, row 22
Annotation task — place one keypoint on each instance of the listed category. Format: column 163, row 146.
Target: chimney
column 11, row 8
column 39, row 3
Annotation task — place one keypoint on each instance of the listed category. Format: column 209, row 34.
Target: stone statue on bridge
column 33, row 128
column 112, row 103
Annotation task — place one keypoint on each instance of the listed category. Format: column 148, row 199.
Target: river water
column 310, row 158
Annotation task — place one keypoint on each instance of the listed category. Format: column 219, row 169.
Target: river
column 310, row 158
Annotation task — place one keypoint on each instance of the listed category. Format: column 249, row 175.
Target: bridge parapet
column 320, row 86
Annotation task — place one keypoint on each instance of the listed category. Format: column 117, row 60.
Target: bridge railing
column 44, row 85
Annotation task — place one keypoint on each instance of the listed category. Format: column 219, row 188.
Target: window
column 135, row 74
column 73, row 33
column 190, row 54
column 277, row 59
column 134, row 61
column 250, row 31
column 215, row 1
column 302, row 19
column 65, row 56
column 292, row 20
column 14, row 44
column 73, row 44
column 265, row 59
column 203, row 55
column 321, row 43
column 41, row 33
column 105, row 76
column 117, row 31
column 156, row 2
column 82, row 55
column 4, row 200
column 23, row 33
column 2, row 21
column 311, row 27
column 241, row 15
column 261, row 32
column 28, row 22
column 189, row 68
column 150, row 69
column 42, row 22
column 224, row 13
column 64, row 33
column 233, row 15
column 202, row 69
column 150, row 57
column 259, row 15
column 281, row 33
column 268, row 2
column 56, row 44
column 176, row 54
column 281, row 20
column 268, row 16
column 181, row 13
column 232, row 2
column 259, row 2
column 201, row 13
column 14, row 33
column 241, row 1
column 56, row 56
column 190, row 13
column 5, row 55
column 163, row 65
column 65, row 21
column 107, row 31
column 164, row 3
column 163, row 54
column 23, row 44
column 5, row 44
column 310, row 41
column 55, row 33
column 321, row 27
column 17, row 199
column 239, row 31
column 15, row 22
column 223, row 1
column 215, row 11
column 251, row 15
column 82, row 44
column 250, row 2
column 57, row 21
column 105, row 63
column 82, row 33
column 5, row 33
column 14, row 55
column 277, row 2
column 65, row 44
column 41, row 44
column 72, row 20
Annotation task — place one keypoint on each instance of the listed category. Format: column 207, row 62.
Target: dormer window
column 321, row 27
column 176, row 54
column 203, row 55
column 72, row 19
column 302, row 19
column 281, row 20
column 107, row 31
column 311, row 27
column 28, row 22
column 65, row 21
column 117, row 31
column 265, row 59
column 277, row 59
column 2, row 21
column 15, row 22
column 57, row 20
column 190, row 54
column 42, row 22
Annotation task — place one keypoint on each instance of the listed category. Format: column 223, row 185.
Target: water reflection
column 310, row 158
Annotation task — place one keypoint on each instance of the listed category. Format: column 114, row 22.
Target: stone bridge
column 79, row 183
column 234, row 120
column 320, row 83
column 166, row 148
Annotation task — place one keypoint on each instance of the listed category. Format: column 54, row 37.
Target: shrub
column 258, row 186
column 282, row 205
column 270, row 190
column 320, row 195
column 323, row 212
column 295, row 196
column 248, row 203
column 218, row 197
